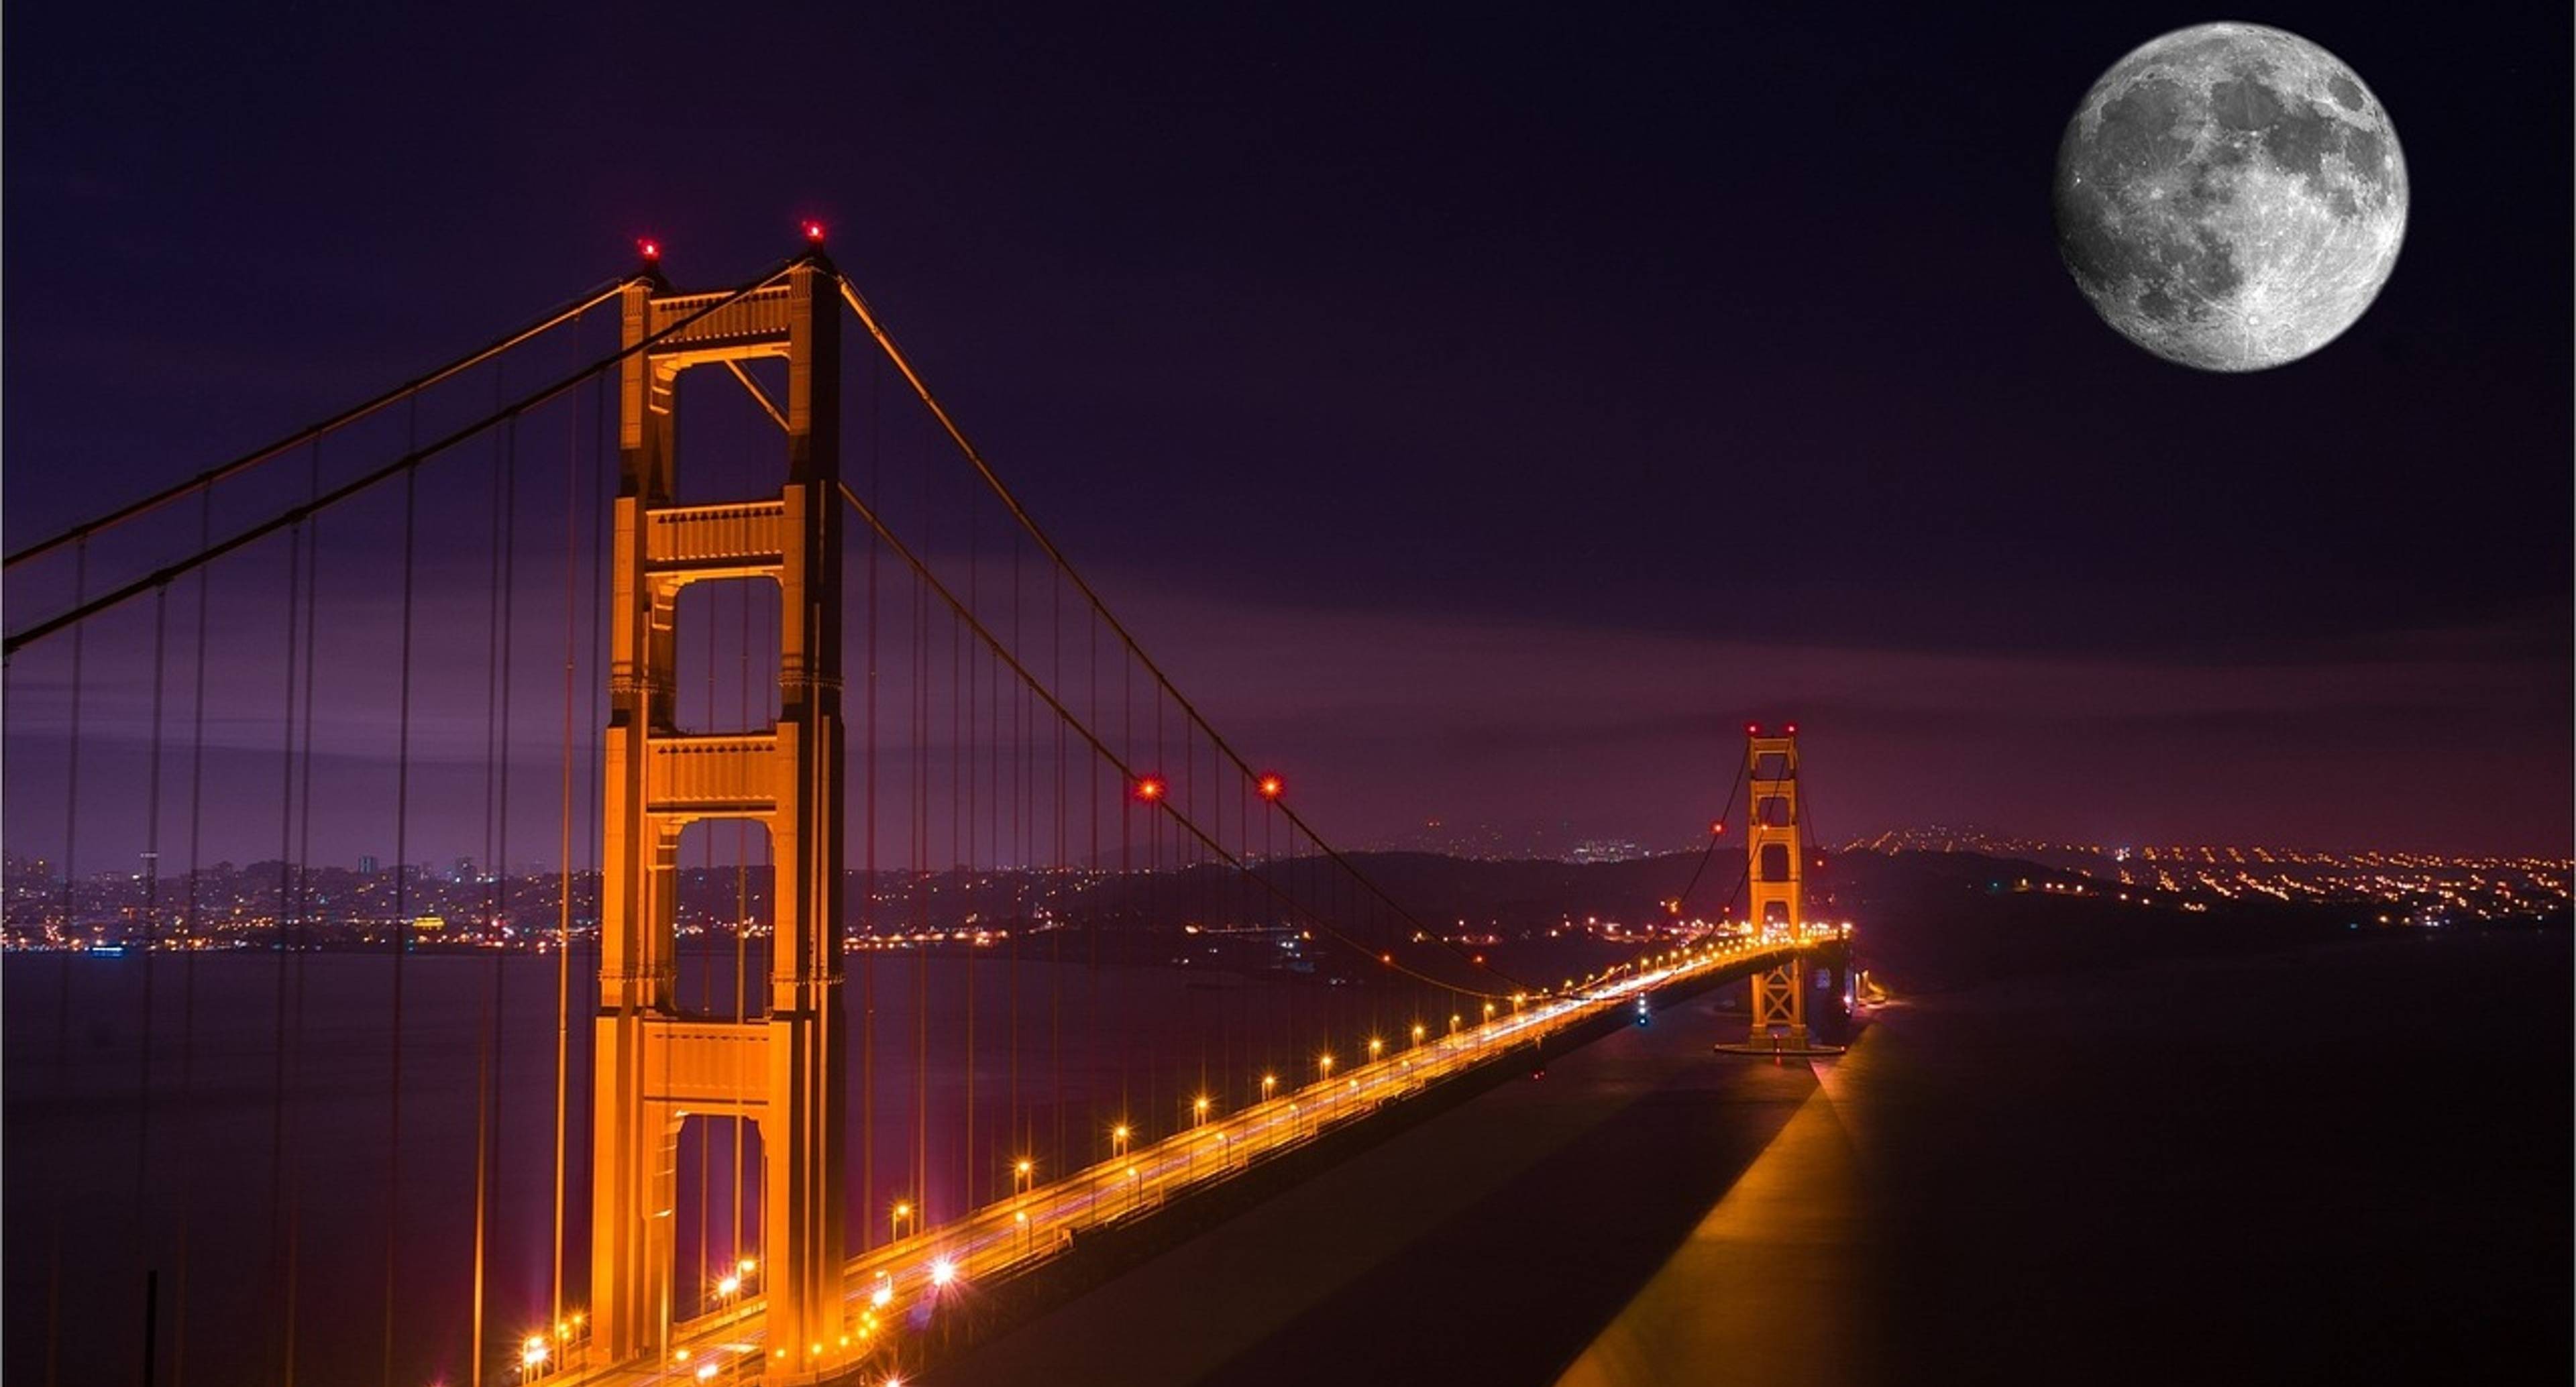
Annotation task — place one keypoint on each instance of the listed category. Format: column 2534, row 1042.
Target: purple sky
column 1481, row 421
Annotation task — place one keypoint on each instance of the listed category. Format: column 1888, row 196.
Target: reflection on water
column 1742, row 1288
column 2348, row 1164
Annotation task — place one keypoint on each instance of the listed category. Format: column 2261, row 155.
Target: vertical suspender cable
column 502, row 913
column 188, row 931
column 496, row 865
column 1018, row 864
column 1056, row 926
column 1092, row 925
column 402, row 918
column 151, row 898
column 563, row 880
column 482, row 1190
column 867, row 992
column 961, row 829
column 1127, row 865
column 281, row 1193
column 71, row 835
column 303, row 912
column 921, row 851
column 151, row 941
column 870, row 884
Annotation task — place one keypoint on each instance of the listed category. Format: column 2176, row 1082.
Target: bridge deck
column 886, row 1285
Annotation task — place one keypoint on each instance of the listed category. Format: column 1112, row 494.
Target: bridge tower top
column 1774, row 840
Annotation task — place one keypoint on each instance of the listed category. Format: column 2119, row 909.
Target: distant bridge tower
column 1776, row 875
column 655, row 1065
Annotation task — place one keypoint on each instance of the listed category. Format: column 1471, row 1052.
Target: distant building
column 1605, row 850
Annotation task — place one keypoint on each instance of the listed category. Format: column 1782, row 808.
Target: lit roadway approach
column 885, row 1287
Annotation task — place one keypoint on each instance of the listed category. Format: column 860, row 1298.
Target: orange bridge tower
column 1776, row 890
column 657, row 1065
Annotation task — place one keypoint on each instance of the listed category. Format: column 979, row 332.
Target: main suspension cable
column 397, row 467
column 958, row 609
column 957, row 437
column 353, row 414
column 1716, row 832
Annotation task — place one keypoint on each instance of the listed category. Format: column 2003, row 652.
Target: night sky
column 1484, row 419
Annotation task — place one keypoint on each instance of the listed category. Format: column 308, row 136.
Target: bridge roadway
column 887, row 1285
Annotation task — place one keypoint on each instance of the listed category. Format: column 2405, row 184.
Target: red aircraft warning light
column 1791, row 729
column 813, row 231
column 1717, row 828
column 650, row 249
column 1271, row 786
column 1151, row 788
column 1753, row 729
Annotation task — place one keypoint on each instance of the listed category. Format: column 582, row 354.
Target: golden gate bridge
column 680, row 676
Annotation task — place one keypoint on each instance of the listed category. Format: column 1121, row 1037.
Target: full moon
column 2230, row 197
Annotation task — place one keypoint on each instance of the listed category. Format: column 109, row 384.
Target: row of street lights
column 541, row 1356
column 1021, row 1229
column 1121, row 1135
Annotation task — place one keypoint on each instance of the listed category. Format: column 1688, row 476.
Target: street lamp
column 1023, row 1176
column 894, row 1220
column 1375, row 1047
column 1269, row 1082
column 1118, row 1140
column 1417, row 1032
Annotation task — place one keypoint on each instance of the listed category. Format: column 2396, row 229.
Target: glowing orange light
column 1272, row 787
column 1150, row 788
